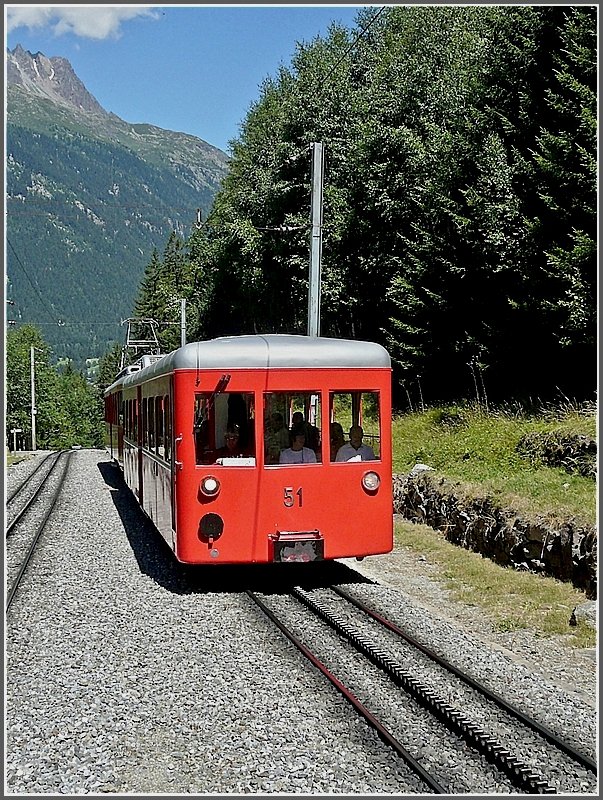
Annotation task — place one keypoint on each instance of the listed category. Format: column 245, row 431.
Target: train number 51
column 289, row 495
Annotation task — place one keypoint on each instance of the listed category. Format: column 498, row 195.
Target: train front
column 282, row 464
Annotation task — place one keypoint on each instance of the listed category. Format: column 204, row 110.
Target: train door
column 139, row 441
column 163, row 483
column 226, row 448
column 171, row 437
column 120, row 428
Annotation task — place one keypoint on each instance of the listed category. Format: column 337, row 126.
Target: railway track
column 129, row 665
column 25, row 492
column 35, row 499
column 463, row 714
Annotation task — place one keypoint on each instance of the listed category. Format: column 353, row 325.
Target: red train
column 204, row 438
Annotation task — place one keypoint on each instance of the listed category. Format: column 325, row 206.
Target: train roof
column 264, row 351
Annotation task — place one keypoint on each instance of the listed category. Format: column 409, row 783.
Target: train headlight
column 371, row 481
column 210, row 486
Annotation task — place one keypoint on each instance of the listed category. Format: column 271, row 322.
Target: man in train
column 355, row 450
column 232, row 447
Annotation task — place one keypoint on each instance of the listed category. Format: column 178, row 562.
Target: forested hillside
column 460, row 202
column 89, row 197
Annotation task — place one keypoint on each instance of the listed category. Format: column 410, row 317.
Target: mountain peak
column 52, row 78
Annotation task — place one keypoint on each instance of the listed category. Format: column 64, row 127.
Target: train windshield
column 224, row 428
column 292, row 428
column 355, row 426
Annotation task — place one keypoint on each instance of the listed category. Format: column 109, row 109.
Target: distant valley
column 89, row 196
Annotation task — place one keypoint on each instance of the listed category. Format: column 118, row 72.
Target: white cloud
column 91, row 22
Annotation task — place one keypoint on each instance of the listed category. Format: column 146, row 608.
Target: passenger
column 312, row 432
column 233, row 447
column 276, row 437
column 237, row 417
column 297, row 453
column 354, row 450
column 337, row 438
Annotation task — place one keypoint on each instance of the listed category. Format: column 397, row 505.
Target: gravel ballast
column 124, row 675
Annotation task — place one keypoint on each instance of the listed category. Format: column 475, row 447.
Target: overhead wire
column 27, row 275
column 356, row 40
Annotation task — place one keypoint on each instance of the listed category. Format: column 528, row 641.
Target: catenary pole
column 34, row 410
column 316, row 244
column 182, row 322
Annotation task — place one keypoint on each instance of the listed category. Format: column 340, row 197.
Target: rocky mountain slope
column 89, row 196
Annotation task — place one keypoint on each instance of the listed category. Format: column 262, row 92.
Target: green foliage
column 483, row 451
column 510, row 599
column 68, row 408
column 459, row 206
column 108, row 367
column 83, row 408
column 87, row 203
column 574, row 452
column 178, row 275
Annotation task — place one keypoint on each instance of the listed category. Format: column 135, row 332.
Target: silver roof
column 267, row 351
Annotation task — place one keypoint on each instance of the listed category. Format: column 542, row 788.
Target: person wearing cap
column 297, row 453
column 232, row 444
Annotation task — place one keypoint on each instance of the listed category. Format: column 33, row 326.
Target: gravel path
column 127, row 673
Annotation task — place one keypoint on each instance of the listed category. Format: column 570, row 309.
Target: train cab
column 258, row 449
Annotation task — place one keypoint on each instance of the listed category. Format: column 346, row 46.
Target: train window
column 215, row 414
column 168, row 427
column 145, row 440
column 159, row 427
column 284, row 412
column 349, row 411
column 150, row 431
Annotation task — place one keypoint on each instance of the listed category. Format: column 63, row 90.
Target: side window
column 159, row 426
column 355, row 426
column 224, row 427
column 145, row 438
column 167, row 416
column 292, row 428
column 150, row 434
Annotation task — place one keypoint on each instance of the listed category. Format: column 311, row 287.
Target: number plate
column 301, row 550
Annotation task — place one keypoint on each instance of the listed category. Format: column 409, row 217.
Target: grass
column 14, row 459
column 512, row 600
column 478, row 449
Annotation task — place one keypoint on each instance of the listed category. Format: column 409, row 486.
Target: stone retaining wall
column 566, row 551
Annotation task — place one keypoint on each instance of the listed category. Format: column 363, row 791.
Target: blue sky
column 194, row 68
